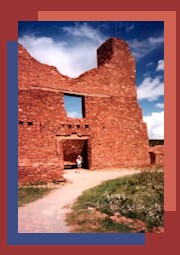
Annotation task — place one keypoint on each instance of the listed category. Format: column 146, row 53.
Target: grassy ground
column 138, row 198
column 30, row 194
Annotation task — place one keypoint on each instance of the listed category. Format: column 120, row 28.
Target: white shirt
column 78, row 161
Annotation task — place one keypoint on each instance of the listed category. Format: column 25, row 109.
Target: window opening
column 74, row 106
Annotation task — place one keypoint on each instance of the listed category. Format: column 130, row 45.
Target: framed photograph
column 87, row 92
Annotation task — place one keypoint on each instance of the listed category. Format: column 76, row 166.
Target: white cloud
column 71, row 60
column 155, row 40
column 74, row 114
column 129, row 28
column 85, row 31
column 155, row 125
column 149, row 64
column 150, row 89
column 160, row 66
column 124, row 26
column 160, row 105
column 146, row 74
column 142, row 48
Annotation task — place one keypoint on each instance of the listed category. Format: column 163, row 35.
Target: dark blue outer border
column 12, row 189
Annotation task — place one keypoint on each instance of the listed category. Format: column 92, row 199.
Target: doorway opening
column 152, row 158
column 71, row 149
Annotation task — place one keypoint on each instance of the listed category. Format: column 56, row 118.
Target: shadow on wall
column 85, row 156
column 73, row 148
column 152, row 158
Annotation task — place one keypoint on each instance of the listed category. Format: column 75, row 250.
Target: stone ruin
column 111, row 132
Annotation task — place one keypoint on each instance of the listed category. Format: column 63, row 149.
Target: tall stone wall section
column 113, row 128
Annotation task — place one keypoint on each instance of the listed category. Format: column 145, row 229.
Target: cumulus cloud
column 160, row 105
column 142, row 48
column 74, row 114
column 155, row 125
column 70, row 59
column 160, row 66
column 150, row 89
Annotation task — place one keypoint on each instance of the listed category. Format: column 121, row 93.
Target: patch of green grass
column 109, row 225
column 140, row 196
column 84, row 221
column 30, row 194
column 37, row 183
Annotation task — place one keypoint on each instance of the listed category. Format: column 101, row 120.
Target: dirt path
column 47, row 215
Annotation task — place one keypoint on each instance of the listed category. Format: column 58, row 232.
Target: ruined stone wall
column 157, row 156
column 117, row 136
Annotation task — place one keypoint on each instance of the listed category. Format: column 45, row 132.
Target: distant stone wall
column 113, row 124
column 157, row 155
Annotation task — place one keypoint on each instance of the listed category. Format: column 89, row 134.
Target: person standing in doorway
column 79, row 161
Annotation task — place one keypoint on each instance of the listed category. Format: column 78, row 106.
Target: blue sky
column 71, row 47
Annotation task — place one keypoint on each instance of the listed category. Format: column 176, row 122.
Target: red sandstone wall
column 117, row 137
column 158, row 157
column 115, row 78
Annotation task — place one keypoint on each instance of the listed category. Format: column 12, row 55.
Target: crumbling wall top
column 112, row 49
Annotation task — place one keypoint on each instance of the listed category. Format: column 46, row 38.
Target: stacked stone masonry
column 157, row 156
column 111, row 134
